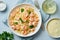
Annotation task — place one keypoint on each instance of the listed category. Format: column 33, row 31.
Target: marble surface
column 41, row 35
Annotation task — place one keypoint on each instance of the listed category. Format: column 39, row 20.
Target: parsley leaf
column 31, row 26
column 21, row 20
column 22, row 10
column 6, row 36
column 28, row 11
column 16, row 23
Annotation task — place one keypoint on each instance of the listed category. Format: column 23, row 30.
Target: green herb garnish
column 22, row 10
column 6, row 36
column 27, row 21
column 28, row 11
column 31, row 26
column 21, row 20
column 16, row 23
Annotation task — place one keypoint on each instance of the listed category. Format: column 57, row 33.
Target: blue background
column 41, row 35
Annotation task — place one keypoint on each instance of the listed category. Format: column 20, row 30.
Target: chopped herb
column 27, row 21
column 22, row 10
column 31, row 26
column 21, row 20
column 16, row 23
column 28, row 11
column 6, row 36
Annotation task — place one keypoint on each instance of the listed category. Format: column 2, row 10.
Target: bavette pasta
column 23, row 19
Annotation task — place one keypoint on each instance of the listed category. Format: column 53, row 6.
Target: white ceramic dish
column 52, row 9
column 38, row 26
column 2, row 5
column 47, row 27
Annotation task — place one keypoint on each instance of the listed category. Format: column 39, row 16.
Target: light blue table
column 41, row 35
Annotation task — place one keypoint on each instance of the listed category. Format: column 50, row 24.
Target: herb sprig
column 6, row 36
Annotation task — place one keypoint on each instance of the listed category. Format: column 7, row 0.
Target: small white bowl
column 47, row 27
column 38, row 26
column 2, row 5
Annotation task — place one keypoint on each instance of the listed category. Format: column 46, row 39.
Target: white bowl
column 38, row 26
column 47, row 27
column 2, row 5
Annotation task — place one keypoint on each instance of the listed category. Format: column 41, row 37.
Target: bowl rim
column 39, row 19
